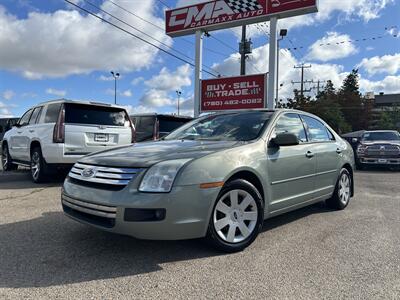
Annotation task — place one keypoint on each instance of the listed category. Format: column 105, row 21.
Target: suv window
column 291, row 123
column 53, row 110
column 96, row 115
column 35, row 115
column 144, row 127
column 317, row 130
column 25, row 118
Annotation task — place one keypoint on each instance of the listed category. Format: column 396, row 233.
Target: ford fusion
column 218, row 177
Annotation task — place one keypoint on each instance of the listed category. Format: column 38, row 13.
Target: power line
column 163, row 29
column 342, row 42
column 168, row 46
column 135, row 36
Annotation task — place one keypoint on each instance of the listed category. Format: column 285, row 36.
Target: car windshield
column 241, row 126
column 381, row 136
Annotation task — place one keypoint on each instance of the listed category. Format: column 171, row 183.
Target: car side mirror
column 285, row 139
column 354, row 140
column 17, row 125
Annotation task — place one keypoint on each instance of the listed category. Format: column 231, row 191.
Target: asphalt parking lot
column 313, row 253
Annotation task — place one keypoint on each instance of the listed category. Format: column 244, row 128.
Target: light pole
column 282, row 34
column 116, row 76
column 178, row 93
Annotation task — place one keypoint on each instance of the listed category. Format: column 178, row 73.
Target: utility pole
column 244, row 49
column 319, row 87
column 302, row 82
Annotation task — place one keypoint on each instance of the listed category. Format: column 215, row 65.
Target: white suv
column 57, row 133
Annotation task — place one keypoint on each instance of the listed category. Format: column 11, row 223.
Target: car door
column 291, row 169
column 32, row 130
column 327, row 153
column 19, row 140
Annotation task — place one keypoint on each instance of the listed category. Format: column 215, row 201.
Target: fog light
column 144, row 215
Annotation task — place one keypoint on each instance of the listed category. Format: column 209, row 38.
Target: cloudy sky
column 49, row 50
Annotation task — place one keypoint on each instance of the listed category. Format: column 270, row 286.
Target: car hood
column 146, row 154
column 370, row 143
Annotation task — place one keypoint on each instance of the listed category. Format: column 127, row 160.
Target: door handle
column 339, row 151
column 309, row 154
column 31, row 130
column 19, row 132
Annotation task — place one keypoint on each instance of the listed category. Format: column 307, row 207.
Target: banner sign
column 243, row 92
column 221, row 14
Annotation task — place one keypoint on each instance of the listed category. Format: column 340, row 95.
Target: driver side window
column 25, row 118
column 291, row 123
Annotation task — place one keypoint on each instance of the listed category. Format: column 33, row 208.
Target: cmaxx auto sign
column 222, row 14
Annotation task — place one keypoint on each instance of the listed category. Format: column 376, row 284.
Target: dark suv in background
column 6, row 124
column 380, row 147
column 154, row 126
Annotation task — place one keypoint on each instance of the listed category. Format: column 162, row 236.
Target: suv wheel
column 342, row 194
column 38, row 166
column 237, row 217
column 6, row 161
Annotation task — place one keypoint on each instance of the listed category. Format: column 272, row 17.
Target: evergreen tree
column 351, row 101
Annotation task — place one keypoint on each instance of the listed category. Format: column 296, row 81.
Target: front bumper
column 187, row 210
column 379, row 161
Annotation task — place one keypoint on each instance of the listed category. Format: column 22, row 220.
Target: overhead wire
column 134, row 35
column 163, row 29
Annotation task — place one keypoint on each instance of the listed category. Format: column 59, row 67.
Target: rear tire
column 237, row 217
column 6, row 160
column 38, row 166
column 342, row 194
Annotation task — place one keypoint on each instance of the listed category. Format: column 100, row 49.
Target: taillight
column 156, row 135
column 59, row 128
column 133, row 133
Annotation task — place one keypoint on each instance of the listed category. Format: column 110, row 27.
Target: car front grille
column 383, row 150
column 100, row 215
column 96, row 176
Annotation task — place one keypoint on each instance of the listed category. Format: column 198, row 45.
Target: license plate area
column 101, row 137
column 382, row 161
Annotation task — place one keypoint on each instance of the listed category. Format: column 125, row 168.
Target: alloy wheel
column 35, row 165
column 235, row 216
column 4, row 158
column 344, row 189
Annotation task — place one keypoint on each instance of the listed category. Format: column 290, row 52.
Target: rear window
column 168, row 125
column 53, row 110
column 96, row 115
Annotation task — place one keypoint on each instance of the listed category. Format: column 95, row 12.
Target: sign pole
column 198, row 72
column 273, row 51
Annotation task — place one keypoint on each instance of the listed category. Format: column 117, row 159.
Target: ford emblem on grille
column 88, row 172
column 382, row 148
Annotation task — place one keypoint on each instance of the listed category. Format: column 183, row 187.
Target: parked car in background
column 218, row 176
column 6, row 124
column 154, row 126
column 57, row 133
column 379, row 147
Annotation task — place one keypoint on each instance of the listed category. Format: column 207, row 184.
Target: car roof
column 162, row 115
column 379, row 131
column 85, row 102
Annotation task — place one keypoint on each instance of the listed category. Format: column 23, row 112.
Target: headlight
column 361, row 149
column 160, row 177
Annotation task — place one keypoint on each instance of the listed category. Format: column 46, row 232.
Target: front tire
column 6, row 161
column 237, row 217
column 342, row 194
column 38, row 166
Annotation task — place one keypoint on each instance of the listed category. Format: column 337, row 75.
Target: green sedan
column 218, row 177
